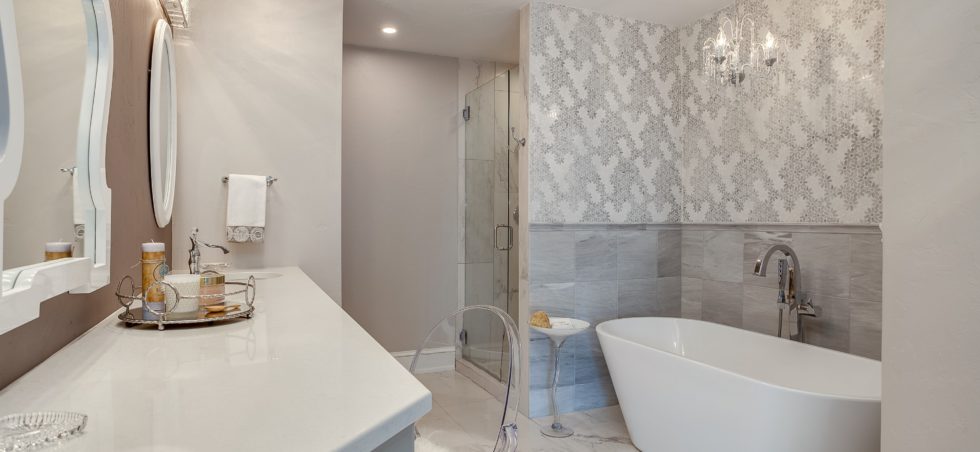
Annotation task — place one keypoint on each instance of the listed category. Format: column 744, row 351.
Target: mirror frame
column 39, row 282
column 163, row 185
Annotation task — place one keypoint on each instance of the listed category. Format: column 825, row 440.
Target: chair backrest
column 507, row 434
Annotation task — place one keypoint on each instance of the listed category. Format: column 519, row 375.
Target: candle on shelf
column 56, row 250
column 152, row 260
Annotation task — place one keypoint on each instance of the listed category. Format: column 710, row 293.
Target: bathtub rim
column 602, row 331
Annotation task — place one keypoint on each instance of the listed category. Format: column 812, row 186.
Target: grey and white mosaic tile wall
column 601, row 120
column 803, row 147
column 595, row 273
column 625, row 129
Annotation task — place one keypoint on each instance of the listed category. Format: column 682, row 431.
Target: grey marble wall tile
column 590, row 364
column 691, row 289
column 557, row 299
column 540, row 401
column 866, row 267
column 723, row 256
column 478, row 290
column 692, row 254
column 596, row 301
column 865, row 329
column 757, row 242
column 825, row 262
column 479, row 131
column 595, row 256
column 638, row 298
column 542, row 364
column 669, row 253
column 669, row 296
column 832, row 328
column 478, row 216
column 759, row 310
column 722, row 303
column 638, row 254
column 551, row 256
column 596, row 394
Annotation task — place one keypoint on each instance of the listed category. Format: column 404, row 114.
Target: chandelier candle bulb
column 56, row 250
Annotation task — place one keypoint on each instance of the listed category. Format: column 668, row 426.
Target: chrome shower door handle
column 510, row 237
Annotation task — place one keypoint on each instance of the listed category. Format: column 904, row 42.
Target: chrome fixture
column 194, row 261
column 70, row 171
column 727, row 56
column 177, row 12
column 269, row 180
column 791, row 296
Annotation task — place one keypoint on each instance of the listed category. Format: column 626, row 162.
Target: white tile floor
column 464, row 417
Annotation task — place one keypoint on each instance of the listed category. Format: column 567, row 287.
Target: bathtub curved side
column 671, row 403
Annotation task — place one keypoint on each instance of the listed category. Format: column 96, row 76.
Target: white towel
column 246, row 208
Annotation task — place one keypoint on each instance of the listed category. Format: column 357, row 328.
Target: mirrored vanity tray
column 239, row 302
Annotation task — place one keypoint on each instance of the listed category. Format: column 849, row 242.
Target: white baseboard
column 438, row 359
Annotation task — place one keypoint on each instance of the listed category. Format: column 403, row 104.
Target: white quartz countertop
column 299, row 375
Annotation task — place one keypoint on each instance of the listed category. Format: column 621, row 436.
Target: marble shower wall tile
column 597, row 273
column 841, row 271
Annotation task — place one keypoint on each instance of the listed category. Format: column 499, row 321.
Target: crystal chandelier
column 729, row 55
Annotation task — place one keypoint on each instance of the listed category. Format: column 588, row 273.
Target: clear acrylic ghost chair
column 507, row 434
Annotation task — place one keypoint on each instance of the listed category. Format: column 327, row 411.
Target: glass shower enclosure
column 490, row 219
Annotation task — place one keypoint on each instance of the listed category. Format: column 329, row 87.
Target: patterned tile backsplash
column 624, row 128
column 604, row 272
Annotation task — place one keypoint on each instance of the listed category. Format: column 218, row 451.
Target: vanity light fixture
column 727, row 56
column 389, row 30
column 177, row 11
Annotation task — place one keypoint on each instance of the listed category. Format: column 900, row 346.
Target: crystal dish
column 28, row 431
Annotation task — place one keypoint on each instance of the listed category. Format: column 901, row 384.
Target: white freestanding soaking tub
column 692, row 386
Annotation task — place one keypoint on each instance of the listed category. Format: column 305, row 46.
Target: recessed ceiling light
column 389, row 30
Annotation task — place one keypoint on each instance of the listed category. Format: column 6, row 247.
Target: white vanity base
column 300, row 375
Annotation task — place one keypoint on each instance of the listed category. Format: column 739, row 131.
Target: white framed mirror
column 163, row 123
column 55, row 79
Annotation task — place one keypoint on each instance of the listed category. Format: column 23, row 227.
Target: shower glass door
column 489, row 229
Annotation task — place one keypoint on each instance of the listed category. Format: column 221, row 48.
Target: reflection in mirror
column 45, row 206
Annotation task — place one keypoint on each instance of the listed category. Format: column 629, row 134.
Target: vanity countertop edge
column 300, row 375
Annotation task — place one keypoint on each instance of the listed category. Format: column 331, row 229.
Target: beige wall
column 931, row 367
column 399, row 191
column 259, row 87
column 66, row 317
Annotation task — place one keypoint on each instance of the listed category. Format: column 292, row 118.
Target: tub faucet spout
column 793, row 286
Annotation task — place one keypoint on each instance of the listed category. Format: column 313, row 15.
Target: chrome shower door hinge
column 466, row 113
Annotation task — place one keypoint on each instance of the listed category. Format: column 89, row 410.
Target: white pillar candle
column 153, row 247
column 57, row 247
column 56, row 250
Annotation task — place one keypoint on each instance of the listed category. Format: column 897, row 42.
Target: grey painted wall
column 399, row 192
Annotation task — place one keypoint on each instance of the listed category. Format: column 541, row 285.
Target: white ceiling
column 485, row 29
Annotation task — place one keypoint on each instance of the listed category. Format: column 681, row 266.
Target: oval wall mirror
column 163, row 124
